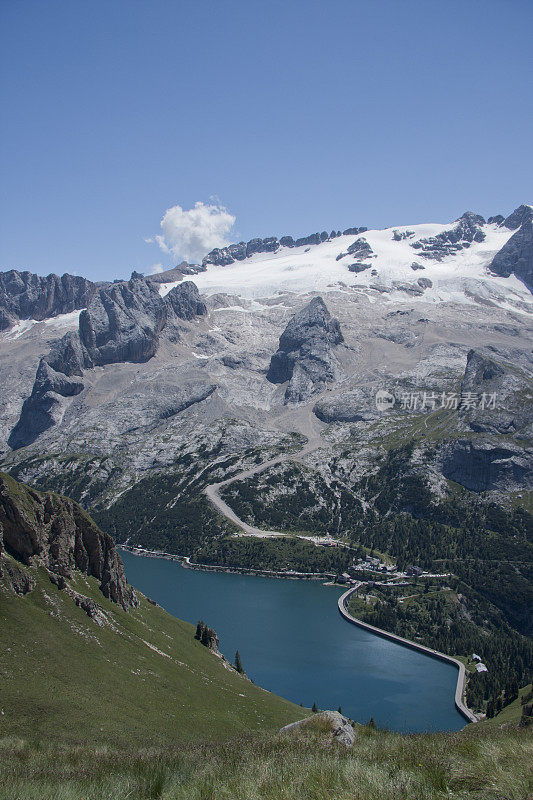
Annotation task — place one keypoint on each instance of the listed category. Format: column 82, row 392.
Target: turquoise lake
column 294, row 642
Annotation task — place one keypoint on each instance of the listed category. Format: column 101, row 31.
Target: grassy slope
column 65, row 679
column 511, row 714
column 480, row 763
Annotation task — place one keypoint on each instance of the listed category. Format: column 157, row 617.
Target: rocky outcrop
column 123, row 322
column 360, row 248
column 497, row 397
column 348, row 408
column 358, row 266
column 223, row 256
column 305, row 356
column 24, row 295
column 173, row 400
column 354, row 231
column 14, row 577
column 176, row 273
column 447, row 243
column 44, row 529
column 44, row 407
column 184, row 302
column 523, row 213
column 399, row 236
column 338, row 728
column 68, row 355
column 516, row 256
column 425, row 283
column 208, row 637
column 482, row 465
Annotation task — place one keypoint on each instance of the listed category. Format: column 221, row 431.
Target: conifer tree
column 199, row 631
column 315, row 708
column 238, row 662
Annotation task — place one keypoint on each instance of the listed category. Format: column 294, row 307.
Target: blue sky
column 298, row 116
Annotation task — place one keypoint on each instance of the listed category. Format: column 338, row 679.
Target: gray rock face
column 358, row 266
column 176, row 273
column 184, row 301
column 305, row 357
column 123, row 323
column 425, row 283
column 354, row 231
column 43, row 408
column 68, row 355
column 348, row 408
column 504, row 395
column 520, row 215
column 360, row 248
column 222, row 256
column 481, row 465
column 466, row 231
column 6, row 320
column 24, row 295
column 516, row 256
column 172, row 401
column 43, row 529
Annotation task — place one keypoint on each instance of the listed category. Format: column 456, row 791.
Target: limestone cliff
column 45, row 529
column 305, row 357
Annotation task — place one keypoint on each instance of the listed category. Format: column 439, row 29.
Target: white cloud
column 191, row 234
column 155, row 269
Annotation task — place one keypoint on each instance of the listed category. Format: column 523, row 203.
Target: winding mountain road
column 309, row 428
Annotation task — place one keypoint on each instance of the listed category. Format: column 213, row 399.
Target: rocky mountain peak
column 516, row 256
column 470, row 218
column 305, row 357
column 183, row 301
column 122, row 322
column 24, row 295
column 467, row 229
column 523, row 213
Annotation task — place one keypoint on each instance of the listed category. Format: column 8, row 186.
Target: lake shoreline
column 290, row 630
column 261, row 573
column 186, row 563
column 461, row 678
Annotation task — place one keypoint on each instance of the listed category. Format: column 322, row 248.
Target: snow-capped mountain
column 110, row 391
column 433, row 262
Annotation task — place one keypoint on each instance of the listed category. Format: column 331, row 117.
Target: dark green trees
column 199, row 630
column 238, row 662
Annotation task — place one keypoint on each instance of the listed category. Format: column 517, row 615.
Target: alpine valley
column 289, row 404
